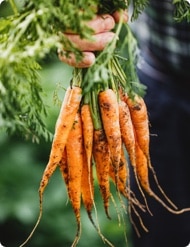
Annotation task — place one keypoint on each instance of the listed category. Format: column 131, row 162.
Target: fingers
column 102, row 26
column 101, row 23
column 98, row 42
column 87, row 60
column 118, row 14
column 101, row 37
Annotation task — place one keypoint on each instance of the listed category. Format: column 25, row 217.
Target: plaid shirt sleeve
column 167, row 40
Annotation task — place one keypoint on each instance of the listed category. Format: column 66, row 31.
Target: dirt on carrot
column 101, row 154
column 75, row 155
column 87, row 187
column 110, row 118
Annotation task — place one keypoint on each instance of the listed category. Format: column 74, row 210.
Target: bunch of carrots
column 102, row 133
column 97, row 129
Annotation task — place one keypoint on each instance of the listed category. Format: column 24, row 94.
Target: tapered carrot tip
column 78, row 233
column 106, row 196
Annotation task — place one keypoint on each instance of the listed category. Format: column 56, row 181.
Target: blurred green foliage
column 21, row 167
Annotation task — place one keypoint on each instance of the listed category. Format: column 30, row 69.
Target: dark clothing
column 166, row 72
column 168, row 105
column 167, row 39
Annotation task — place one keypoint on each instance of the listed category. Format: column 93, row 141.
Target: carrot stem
column 77, row 77
column 95, row 109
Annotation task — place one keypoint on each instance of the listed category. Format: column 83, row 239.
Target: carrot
column 142, row 173
column 88, row 128
column 98, row 151
column 139, row 116
column 127, row 131
column 123, row 175
column 101, row 156
column 87, row 190
column 75, row 153
column 123, row 169
column 87, row 187
column 87, row 174
column 101, row 152
column 141, row 125
column 64, row 167
column 88, row 131
column 63, row 126
column 126, row 192
column 140, row 122
column 128, row 138
column 110, row 117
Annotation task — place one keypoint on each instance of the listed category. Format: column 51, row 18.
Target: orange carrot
column 141, row 125
column 87, row 175
column 128, row 138
column 64, row 167
column 63, row 126
column 101, row 156
column 75, row 153
column 88, row 131
column 87, row 190
column 142, row 169
column 140, row 122
column 87, row 187
column 122, row 171
column 127, row 131
column 123, row 175
column 110, row 117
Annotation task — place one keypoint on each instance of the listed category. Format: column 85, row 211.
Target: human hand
column 102, row 26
